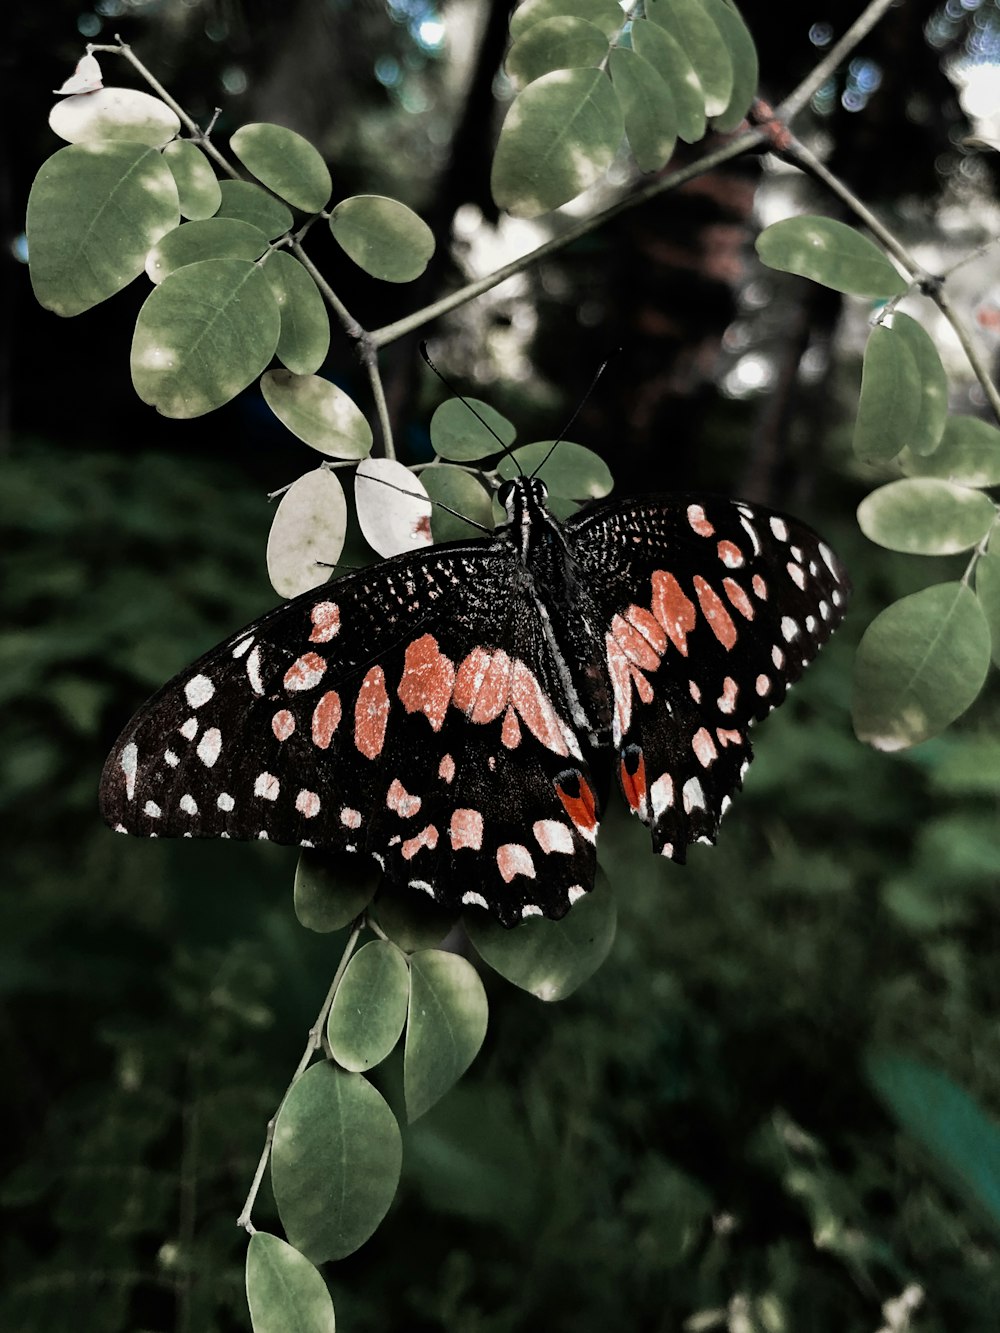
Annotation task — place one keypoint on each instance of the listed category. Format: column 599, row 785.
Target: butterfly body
column 456, row 712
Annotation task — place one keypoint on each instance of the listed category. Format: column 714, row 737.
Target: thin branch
column 811, row 84
column 930, row 285
column 313, row 1044
column 351, row 326
column 194, row 129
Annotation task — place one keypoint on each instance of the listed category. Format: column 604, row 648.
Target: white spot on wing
column 210, row 746
column 198, row 691
column 472, row 899
column 130, row 763
column 151, row 809
column 693, row 796
column 267, row 786
column 225, row 802
column 189, row 805
column 789, row 629
column 253, row 671
column 190, row 729
column 780, row 528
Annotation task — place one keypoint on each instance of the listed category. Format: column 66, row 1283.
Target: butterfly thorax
column 552, row 579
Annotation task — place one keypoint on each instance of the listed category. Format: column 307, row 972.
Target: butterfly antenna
column 576, row 411
column 505, row 447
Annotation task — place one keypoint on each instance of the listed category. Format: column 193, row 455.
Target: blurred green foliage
column 689, row 1142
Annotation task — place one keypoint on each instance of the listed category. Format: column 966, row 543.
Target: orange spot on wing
column 634, row 782
column 305, row 672
column 730, row 555
column 704, row 747
column 738, row 598
column 673, row 609
column 371, row 713
column 511, row 731
column 536, row 711
column 325, row 617
column 283, row 724
column 427, row 681
column 634, row 644
column 466, row 830
column 482, row 684
column 715, row 613
column 427, row 837
column 648, row 626
column 729, row 737
column 325, row 719
column 580, row 805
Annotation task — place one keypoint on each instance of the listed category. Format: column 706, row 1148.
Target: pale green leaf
column 561, row 42
column 114, row 115
column 305, row 326
column 335, row 1162
column 93, row 213
column 197, row 184
column 461, row 492
column 605, row 14
column 215, row 238
column 926, row 516
column 830, row 253
column 321, row 414
column 457, row 433
column 394, row 510
column 559, row 137
column 668, row 58
column 286, row 163
column 647, row 108
column 369, row 1009
column 933, row 396
column 743, row 55
column 570, row 470
column 962, row 1139
column 969, row 453
column 919, row 666
column 383, row 237
column 551, row 959
column 250, row 203
column 285, row 1292
column 307, row 533
column 693, row 26
column 331, row 890
column 988, row 595
column 410, row 919
column 205, row 333
column 889, row 406
column 445, row 1027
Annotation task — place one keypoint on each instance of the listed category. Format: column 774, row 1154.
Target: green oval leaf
column 307, row 533
column 988, row 595
column 286, row 163
column 571, row 471
column 551, row 959
column 305, row 326
column 692, row 25
column 561, row 42
column 204, row 334
column 932, row 401
column 215, row 238
column 383, row 236
column 920, row 665
column 925, row 516
column 964, row 1142
column 461, row 492
column 667, row 57
column 335, row 1162
column 830, row 253
column 605, row 14
column 743, row 55
column 889, row 406
column 410, row 920
column 445, row 1027
column 250, row 203
column 332, row 890
column 647, row 107
column 969, row 453
column 93, row 213
column 114, row 115
column 458, row 433
column 369, row 1010
column 197, row 185
column 560, row 136
column 321, row 414
column 285, row 1293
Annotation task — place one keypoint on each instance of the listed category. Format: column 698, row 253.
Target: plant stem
column 315, row 1040
column 930, row 285
column 194, row 129
column 860, row 28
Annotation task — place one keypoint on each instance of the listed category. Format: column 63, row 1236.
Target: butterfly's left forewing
column 711, row 610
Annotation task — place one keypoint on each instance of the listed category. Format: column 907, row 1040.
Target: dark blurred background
column 689, row 1142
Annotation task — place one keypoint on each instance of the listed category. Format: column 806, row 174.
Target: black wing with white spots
column 712, row 609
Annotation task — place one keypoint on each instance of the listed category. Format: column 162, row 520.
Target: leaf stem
column 313, row 1044
column 194, row 129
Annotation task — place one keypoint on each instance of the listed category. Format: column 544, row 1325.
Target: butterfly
column 458, row 713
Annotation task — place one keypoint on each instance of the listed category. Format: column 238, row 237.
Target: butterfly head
column 522, row 495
